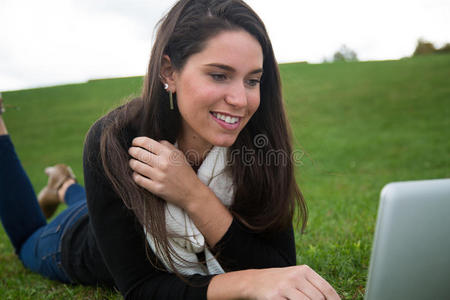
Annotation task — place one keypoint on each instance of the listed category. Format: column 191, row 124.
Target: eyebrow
column 231, row 69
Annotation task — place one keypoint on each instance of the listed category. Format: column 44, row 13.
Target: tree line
column 424, row 47
column 344, row 53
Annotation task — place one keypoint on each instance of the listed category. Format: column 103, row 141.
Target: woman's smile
column 227, row 121
column 218, row 90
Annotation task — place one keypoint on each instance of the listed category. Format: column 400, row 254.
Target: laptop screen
column 411, row 250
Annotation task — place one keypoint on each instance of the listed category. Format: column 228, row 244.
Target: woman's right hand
column 295, row 283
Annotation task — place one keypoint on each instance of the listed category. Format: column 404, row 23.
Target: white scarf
column 184, row 237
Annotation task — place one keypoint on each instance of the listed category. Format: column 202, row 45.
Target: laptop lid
column 411, row 249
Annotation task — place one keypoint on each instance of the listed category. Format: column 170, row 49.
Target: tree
column 444, row 49
column 424, row 47
column 345, row 54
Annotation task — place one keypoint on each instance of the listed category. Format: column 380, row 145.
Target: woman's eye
column 218, row 77
column 253, row 82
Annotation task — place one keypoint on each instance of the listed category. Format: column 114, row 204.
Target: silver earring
column 166, row 87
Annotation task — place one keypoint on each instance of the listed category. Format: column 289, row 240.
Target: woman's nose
column 237, row 95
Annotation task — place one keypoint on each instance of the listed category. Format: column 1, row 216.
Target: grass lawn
column 358, row 126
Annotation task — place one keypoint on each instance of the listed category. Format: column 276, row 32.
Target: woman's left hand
column 163, row 170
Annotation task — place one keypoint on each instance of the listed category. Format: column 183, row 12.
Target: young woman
column 177, row 205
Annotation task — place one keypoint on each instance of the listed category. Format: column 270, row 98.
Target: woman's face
column 218, row 89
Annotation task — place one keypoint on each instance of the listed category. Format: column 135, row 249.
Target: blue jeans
column 37, row 243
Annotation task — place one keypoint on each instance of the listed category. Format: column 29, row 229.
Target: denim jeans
column 37, row 243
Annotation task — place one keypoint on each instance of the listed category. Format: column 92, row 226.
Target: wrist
column 232, row 285
column 208, row 213
column 198, row 195
column 246, row 287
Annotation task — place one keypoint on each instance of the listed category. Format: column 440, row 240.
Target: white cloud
column 57, row 41
column 63, row 41
column 383, row 29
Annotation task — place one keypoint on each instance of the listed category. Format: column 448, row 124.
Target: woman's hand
column 295, row 283
column 163, row 170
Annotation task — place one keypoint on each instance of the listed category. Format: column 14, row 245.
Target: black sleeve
column 241, row 248
column 121, row 239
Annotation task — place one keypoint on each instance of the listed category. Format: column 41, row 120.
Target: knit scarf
column 184, row 237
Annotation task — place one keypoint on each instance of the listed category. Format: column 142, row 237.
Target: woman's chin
column 224, row 141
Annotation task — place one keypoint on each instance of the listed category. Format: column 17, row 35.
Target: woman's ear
column 168, row 72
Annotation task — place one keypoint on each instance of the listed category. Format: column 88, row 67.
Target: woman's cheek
column 255, row 104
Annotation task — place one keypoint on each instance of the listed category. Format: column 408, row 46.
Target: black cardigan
column 107, row 246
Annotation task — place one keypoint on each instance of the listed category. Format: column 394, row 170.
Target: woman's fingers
column 310, row 291
column 294, row 294
column 156, row 154
column 146, row 183
column 148, row 144
column 163, row 170
column 321, row 284
column 144, row 156
column 144, row 169
column 291, row 283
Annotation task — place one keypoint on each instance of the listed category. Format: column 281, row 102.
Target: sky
column 51, row 42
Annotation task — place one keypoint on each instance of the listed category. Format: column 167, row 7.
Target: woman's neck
column 195, row 149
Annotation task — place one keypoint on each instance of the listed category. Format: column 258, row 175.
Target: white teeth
column 227, row 119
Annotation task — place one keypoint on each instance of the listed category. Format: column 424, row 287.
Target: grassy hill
column 357, row 126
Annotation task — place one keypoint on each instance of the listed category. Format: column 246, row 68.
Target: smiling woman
column 217, row 94
column 167, row 214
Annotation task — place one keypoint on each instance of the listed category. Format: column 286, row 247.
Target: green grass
column 360, row 125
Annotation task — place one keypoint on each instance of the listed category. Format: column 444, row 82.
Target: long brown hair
column 266, row 192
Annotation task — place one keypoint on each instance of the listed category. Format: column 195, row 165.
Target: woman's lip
column 226, row 125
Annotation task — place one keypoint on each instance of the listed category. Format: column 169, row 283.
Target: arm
column 163, row 170
column 297, row 282
column 238, row 247
column 121, row 239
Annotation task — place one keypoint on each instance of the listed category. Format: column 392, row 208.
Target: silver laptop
column 411, row 250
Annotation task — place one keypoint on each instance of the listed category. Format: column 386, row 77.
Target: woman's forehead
column 237, row 49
